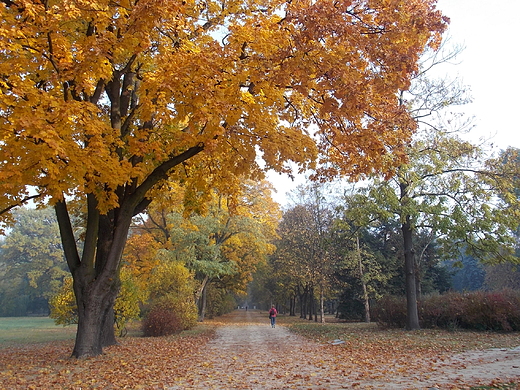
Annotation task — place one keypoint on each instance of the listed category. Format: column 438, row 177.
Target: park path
column 248, row 354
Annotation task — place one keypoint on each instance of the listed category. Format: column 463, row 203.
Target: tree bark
column 322, row 306
column 203, row 303
column 97, row 287
column 201, row 298
column 292, row 309
column 412, row 314
column 364, row 285
column 303, row 303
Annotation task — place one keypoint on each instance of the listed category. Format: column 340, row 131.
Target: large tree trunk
column 95, row 321
column 412, row 314
column 95, row 274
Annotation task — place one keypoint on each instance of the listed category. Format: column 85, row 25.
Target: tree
column 228, row 241
column 303, row 259
column 359, row 268
column 220, row 231
column 31, row 263
column 296, row 252
column 443, row 193
column 104, row 101
column 446, row 192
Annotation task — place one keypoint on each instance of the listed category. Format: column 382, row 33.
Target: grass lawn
column 29, row 330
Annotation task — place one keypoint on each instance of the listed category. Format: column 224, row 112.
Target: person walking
column 272, row 316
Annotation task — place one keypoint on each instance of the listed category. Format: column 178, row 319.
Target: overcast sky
column 490, row 32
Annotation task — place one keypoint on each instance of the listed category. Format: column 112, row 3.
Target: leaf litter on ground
column 366, row 357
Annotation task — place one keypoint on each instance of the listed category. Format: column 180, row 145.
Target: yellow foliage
column 64, row 309
column 173, row 287
column 63, row 306
column 95, row 96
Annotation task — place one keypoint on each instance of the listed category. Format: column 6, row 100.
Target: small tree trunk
column 303, row 305
column 361, row 275
column 312, row 306
column 203, row 301
column 322, row 308
column 412, row 318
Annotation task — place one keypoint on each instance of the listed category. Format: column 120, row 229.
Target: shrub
column 169, row 315
column 172, row 286
column 63, row 306
column 161, row 320
column 390, row 311
column 495, row 311
column 442, row 311
column 492, row 311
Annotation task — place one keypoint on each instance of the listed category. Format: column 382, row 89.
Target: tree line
column 335, row 249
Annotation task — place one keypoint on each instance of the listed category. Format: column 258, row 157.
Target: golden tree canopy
column 101, row 96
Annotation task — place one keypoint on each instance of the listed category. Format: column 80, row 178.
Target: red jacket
column 273, row 312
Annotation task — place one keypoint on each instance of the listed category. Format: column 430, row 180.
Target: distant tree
column 227, row 241
column 446, row 190
column 303, row 261
column 502, row 276
column 32, row 266
column 469, row 274
column 296, row 251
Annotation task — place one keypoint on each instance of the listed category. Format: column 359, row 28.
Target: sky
column 489, row 65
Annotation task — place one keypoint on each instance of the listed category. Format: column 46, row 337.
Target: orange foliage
column 96, row 95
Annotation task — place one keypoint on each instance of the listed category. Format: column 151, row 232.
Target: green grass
column 29, row 330
column 32, row 330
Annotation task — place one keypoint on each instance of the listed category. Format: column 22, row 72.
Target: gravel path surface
column 249, row 354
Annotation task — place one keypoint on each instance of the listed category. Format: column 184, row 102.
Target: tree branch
column 67, row 236
column 161, row 173
column 20, row 203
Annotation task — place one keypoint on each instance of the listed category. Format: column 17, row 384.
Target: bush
column 390, row 312
column 495, row 311
column 442, row 311
column 63, row 306
column 169, row 315
column 161, row 320
column 172, row 288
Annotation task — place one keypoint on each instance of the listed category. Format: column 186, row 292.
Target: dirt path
column 249, row 354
